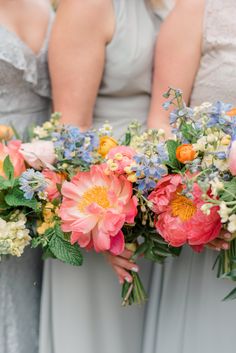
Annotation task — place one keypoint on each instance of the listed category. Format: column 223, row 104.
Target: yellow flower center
column 183, row 208
column 98, row 195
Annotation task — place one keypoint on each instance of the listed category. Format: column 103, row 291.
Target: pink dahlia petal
column 82, row 239
column 117, row 245
column 101, row 240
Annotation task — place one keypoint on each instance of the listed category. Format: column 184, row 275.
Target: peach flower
column 95, row 207
column 180, row 219
column 12, row 150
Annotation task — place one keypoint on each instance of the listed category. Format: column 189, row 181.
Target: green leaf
column 47, row 254
column 171, row 148
column 15, row 198
column 8, row 168
column 231, row 295
column 229, row 191
column 63, row 250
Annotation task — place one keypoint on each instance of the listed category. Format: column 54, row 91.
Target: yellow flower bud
column 106, row 144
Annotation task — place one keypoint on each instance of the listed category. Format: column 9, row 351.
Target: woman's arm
column 80, row 34
column 177, row 57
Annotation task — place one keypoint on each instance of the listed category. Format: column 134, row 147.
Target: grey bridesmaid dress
column 185, row 311
column 24, row 100
column 81, row 307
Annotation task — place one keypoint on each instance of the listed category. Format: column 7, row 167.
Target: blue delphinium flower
column 32, row 182
column 70, row 143
column 148, row 170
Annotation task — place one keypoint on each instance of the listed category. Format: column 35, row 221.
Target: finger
column 123, row 274
column 225, row 235
column 219, row 244
column 121, row 262
column 127, row 254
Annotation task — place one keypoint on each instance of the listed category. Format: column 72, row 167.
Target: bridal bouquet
column 69, row 190
column 196, row 201
column 95, row 193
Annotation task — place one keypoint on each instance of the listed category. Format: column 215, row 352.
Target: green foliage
column 15, row 198
column 173, row 161
column 8, row 168
column 63, row 250
column 229, row 194
column 231, row 295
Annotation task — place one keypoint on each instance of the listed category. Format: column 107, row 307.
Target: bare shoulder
column 92, row 15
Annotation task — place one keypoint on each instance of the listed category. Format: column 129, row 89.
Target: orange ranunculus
column 185, row 153
column 232, row 112
column 6, row 132
column 106, row 144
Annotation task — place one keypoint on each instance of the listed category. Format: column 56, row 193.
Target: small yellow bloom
column 128, row 170
column 132, row 178
column 106, row 144
column 118, row 156
column 113, row 167
column 226, row 140
column 6, row 133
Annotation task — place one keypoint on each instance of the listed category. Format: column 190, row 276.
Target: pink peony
column 95, row 207
column 180, row 220
column 232, row 158
column 122, row 156
column 53, row 179
column 12, row 150
column 39, row 154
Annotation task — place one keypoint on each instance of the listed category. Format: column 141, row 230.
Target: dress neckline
column 24, row 44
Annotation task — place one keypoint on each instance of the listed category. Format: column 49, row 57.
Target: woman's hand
column 122, row 264
column 221, row 242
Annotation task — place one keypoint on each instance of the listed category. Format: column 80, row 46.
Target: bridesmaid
column 105, row 50
column 24, row 100
column 196, row 51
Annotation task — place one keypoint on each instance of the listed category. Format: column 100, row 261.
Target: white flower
column 232, row 224
column 40, row 132
column 224, row 212
column 206, row 208
column 200, row 145
column 14, row 236
column 211, row 138
column 222, row 165
column 216, row 186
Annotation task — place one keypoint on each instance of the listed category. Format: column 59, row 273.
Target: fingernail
column 135, row 269
column 121, row 281
column 228, row 236
column 225, row 246
column 128, row 279
column 217, row 249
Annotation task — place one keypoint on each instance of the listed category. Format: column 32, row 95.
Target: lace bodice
column 24, row 80
column 216, row 78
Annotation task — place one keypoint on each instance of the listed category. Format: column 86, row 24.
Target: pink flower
column 53, row 179
column 180, row 219
column 39, row 154
column 122, row 156
column 232, row 158
column 12, row 150
column 95, row 207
